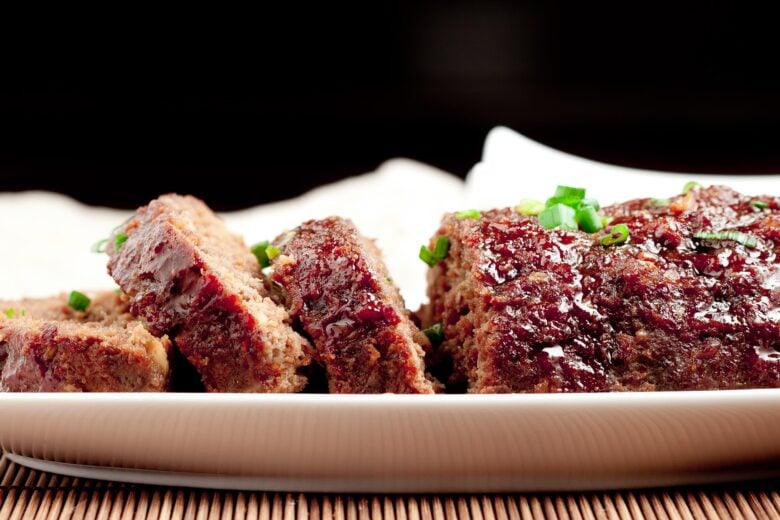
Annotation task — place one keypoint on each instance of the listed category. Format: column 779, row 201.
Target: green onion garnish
column 588, row 219
column 78, row 301
column 617, row 235
column 261, row 253
column 10, row 312
column 468, row 213
column 569, row 192
column 120, row 239
column 605, row 220
column 736, row 236
column 758, row 204
column 272, row 252
column 593, row 203
column 566, row 195
column 559, row 216
column 99, row 246
column 439, row 252
column 689, row 186
column 660, row 203
column 435, row 334
column 530, row 207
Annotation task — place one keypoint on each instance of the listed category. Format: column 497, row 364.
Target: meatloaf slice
column 336, row 286
column 187, row 276
column 526, row 309
column 53, row 348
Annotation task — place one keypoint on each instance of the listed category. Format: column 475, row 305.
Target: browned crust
column 336, row 286
column 187, row 276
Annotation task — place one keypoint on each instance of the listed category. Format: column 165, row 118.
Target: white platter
column 386, row 443
column 393, row 443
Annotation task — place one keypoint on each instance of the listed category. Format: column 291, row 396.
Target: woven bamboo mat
column 26, row 493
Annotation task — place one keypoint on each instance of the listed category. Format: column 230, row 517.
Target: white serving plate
column 395, row 443
column 385, row 443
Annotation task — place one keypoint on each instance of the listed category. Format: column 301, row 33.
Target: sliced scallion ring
column 618, row 234
column 588, row 219
column 468, row 213
column 437, row 254
column 558, row 216
column 689, row 186
column 78, row 301
column 435, row 334
column 746, row 240
column 530, row 207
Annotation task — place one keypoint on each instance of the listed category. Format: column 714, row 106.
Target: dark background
column 244, row 108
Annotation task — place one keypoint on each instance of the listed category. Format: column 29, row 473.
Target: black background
column 242, row 108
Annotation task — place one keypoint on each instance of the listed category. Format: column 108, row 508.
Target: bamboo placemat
column 26, row 493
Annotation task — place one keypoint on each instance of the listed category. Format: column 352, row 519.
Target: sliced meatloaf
column 187, row 276
column 690, row 301
column 50, row 347
column 336, row 286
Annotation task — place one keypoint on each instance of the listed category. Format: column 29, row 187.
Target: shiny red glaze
column 662, row 311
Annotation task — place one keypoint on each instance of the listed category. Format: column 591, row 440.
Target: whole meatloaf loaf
column 691, row 300
column 50, row 347
column 187, row 276
column 336, row 286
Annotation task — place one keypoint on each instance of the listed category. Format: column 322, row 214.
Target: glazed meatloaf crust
column 526, row 309
column 53, row 348
column 187, row 276
column 336, row 286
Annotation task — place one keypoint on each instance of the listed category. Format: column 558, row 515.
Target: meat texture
column 336, row 286
column 187, row 276
column 526, row 309
column 49, row 347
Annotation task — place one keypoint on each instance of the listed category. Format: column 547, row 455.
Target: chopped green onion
column 588, row 219
column 593, row 203
column 736, row 236
column 9, row 312
column 559, row 216
column 435, row 334
column 529, row 207
column 759, row 204
column 689, row 186
column 567, row 196
column 22, row 312
column 78, row 301
column 261, row 253
column 99, row 246
column 605, row 220
column 568, row 191
column 439, row 252
column 120, row 239
column 660, row 203
column 468, row 213
column 617, row 235
column 272, row 252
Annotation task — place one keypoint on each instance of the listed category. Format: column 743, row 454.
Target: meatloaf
column 187, row 276
column 690, row 301
column 336, row 286
column 53, row 348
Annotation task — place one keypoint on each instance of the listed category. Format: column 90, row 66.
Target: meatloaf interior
column 187, row 276
column 51, row 347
